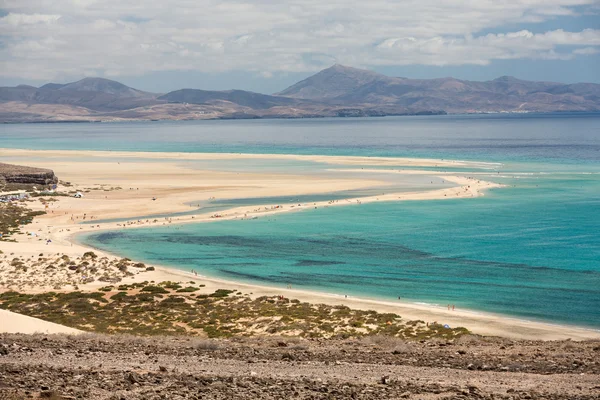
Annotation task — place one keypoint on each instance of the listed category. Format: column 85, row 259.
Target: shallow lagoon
column 529, row 250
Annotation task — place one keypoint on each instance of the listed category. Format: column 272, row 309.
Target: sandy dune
column 11, row 322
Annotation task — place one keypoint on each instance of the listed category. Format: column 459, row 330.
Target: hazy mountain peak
column 347, row 69
column 332, row 82
column 507, row 78
column 103, row 85
column 52, row 86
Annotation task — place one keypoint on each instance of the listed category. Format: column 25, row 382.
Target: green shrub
column 154, row 289
column 171, row 285
column 189, row 289
column 90, row 254
column 221, row 293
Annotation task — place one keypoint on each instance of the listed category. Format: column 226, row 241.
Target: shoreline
column 328, row 159
column 408, row 310
column 62, row 230
column 256, row 117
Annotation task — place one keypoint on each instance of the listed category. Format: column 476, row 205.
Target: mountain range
column 337, row 91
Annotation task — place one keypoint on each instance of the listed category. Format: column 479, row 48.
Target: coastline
column 62, row 230
column 112, row 120
column 479, row 322
column 329, row 159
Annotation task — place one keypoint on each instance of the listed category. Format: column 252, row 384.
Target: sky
column 267, row 45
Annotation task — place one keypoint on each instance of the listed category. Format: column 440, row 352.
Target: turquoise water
column 511, row 252
column 530, row 250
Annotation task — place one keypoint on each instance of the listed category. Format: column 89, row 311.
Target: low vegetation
column 56, row 271
column 167, row 308
column 12, row 217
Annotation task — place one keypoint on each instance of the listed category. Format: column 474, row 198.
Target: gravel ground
column 125, row 367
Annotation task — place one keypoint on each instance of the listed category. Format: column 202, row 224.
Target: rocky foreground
column 125, row 367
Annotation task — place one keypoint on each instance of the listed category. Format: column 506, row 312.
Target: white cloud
column 28, row 19
column 45, row 39
column 483, row 49
column 587, row 51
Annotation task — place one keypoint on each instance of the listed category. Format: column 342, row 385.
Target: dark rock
column 27, row 175
column 133, row 377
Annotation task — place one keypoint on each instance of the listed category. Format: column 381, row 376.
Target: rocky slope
column 124, row 367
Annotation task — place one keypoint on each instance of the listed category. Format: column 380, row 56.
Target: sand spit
column 131, row 185
column 339, row 160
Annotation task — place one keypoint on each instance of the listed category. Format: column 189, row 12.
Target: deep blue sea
column 531, row 249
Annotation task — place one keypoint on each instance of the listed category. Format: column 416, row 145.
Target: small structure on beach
column 14, row 195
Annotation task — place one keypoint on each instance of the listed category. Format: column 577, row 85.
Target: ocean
column 529, row 250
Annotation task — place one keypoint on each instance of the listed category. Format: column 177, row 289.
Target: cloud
column 483, row 49
column 44, row 39
column 28, row 19
column 587, row 51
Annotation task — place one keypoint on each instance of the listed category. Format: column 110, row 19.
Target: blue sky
column 266, row 45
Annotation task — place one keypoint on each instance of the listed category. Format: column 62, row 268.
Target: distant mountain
column 339, row 85
column 101, row 85
column 333, row 82
column 52, row 86
column 337, row 91
column 243, row 98
column 93, row 93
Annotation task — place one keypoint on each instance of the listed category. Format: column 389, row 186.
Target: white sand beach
column 133, row 185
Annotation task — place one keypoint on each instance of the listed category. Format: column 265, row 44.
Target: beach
column 131, row 186
column 18, row 323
